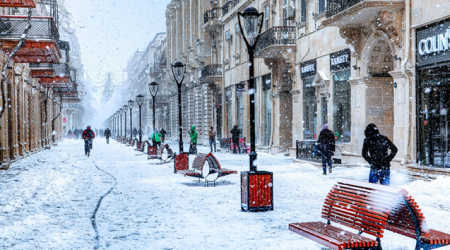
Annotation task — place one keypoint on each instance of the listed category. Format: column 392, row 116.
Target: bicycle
column 87, row 146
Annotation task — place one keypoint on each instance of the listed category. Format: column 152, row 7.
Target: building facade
column 36, row 79
column 341, row 63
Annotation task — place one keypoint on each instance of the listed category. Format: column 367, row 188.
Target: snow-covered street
column 47, row 202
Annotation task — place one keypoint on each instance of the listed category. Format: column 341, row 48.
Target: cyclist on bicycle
column 88, row 135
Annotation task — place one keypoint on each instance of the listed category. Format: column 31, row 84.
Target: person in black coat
column 375, row 152
column 235, row 132
column 135, row 132
column 163, row 134
column 327, row 146
column 107, row 135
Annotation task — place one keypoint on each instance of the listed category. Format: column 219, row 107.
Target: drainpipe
column 408, row 80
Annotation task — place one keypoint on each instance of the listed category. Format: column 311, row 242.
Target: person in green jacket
column 193, row 135
column 156, row 138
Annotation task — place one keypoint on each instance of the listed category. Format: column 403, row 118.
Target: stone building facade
column 36, row 80
column 341, row 63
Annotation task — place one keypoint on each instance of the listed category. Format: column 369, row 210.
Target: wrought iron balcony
column 229, row 5
column 211, row 70
column 345, row 13
column 42, row 40
column 277, row 37
column 13, row 27
column 155, row 70
column 18, row 3
column 212, row 14
column 42, row 70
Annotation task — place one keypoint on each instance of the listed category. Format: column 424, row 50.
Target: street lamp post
column 179, row 71
column 153, row 88
column 130, row 105
column 140, row 101
column 125, row 109
column 252, row 19
column 261, row 197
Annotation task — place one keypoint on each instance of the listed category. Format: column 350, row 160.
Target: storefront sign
column 433, row 43
column 340, row 60
column 308, row 68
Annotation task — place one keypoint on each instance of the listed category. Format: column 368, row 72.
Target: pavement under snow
column 54, row 199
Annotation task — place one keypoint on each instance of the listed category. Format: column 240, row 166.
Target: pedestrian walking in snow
column 326, row 146
column 107, row 135
column 193, row 146
column 235, row 132
column 135, row 132
column 156, row 138
column 375, row 152
column 70, row 134
column 212, row 139
column 163, row 135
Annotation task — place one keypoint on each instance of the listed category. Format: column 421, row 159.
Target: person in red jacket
column 88, row 135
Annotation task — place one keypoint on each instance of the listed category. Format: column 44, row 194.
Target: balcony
column 201, row 52
column 18, row 3
column 42, row 70
column 345, row 13
column 211, row 19
column 42, row 40
column 211, row 72
column 64, row 76
column 155, row 71
column 276, row 41
column 229, row 5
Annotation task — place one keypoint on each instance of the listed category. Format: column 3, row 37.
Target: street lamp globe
column 125, row 108
column 130, row 104
column 153, row 87
column 120, row 111
column 140, row 99
column 252, row 24
column 179, row 70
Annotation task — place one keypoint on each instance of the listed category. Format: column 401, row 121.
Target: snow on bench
column 370, row 209
column 210, row 173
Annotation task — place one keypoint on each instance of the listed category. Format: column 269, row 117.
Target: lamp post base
column 256, row 191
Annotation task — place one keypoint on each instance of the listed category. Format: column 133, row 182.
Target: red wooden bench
column 211, row 174
column 370, row 209
column 140, row 145
column 166, row 152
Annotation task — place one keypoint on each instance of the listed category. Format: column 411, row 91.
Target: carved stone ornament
column 353, row 36
column 390, row 23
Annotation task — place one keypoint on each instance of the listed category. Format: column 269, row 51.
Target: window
column 322, row 5
column 229, row 109
column 239, row 108
column 303, row 11
column 266, row 17
column 309, row 110
column 341, row 106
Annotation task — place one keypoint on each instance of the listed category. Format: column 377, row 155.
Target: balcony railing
column 155, row 70
column 279, row 35
column 212, row 70
column 336, row 6
column 12, row 27
column 229, row 5
column 210, row 15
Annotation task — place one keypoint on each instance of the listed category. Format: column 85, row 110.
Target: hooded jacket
column 235, row 132
column 375, row 148
column 193, row 135
column 327, row 142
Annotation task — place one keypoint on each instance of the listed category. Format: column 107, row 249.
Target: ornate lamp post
column 140, row 101
column 259, row 199
column 130, row 105
column 179, row 71
column 153, row 88
column 125, row 109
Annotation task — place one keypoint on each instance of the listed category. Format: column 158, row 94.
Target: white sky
column 109, row 31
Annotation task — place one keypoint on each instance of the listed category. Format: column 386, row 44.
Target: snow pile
column 47, row 201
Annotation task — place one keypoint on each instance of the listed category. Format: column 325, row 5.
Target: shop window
column 303, row 11
column 309, row 110
column 239, row 109
column 342, row 106
column 267, row 109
